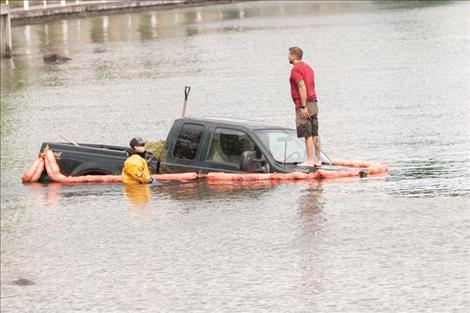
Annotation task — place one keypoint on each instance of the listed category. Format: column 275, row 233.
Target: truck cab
column 223, row 145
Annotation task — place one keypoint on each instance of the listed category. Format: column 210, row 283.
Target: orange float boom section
column 48, row 162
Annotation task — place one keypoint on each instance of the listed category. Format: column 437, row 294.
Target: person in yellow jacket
column 136, row 171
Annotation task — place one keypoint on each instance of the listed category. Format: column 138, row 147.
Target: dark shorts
column 307, row 127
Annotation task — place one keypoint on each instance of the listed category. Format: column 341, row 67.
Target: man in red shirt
column 302, row 84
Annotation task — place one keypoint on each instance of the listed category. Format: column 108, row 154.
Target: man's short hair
column 297, row 52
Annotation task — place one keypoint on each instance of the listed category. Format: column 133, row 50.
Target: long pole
column 285, row 152
column 71, row 141
column 187, row 89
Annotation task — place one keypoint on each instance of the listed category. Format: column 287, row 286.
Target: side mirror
column 249, row 163
column 246, row 161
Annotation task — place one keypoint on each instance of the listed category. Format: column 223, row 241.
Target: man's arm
column 303, row 93
column 303, row 98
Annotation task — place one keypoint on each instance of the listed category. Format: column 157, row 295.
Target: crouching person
column 136, row 171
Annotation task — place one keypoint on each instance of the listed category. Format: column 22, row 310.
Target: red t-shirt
column 302, row 71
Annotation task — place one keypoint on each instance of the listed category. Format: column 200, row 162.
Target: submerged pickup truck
column 199, row 145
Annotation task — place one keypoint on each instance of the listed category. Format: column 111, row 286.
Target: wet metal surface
column 393, row 85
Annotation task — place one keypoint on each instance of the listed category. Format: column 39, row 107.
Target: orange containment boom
column 34, row 172
column 48, row 162
column 177, row 177
column 373, row 168
column 319, row 174
column 357, row 170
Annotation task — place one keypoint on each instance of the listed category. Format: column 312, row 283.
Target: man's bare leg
column 309, row 146
column 316, row 144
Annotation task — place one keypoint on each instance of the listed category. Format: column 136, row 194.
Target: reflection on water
column 138, row 195
column 201, row 190
column 310, row 211
column 309, row 203
column 65, row 37
column 51, row 194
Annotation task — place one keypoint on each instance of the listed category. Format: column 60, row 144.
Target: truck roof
column 253, row 125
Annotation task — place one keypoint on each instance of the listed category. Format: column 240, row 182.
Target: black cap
column 136, row 141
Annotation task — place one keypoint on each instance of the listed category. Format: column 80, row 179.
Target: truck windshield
column 284, row 145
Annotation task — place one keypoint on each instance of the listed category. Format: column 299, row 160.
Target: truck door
column 186, row 150
column 226, row 148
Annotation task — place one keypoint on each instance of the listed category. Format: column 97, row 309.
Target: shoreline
column 40, row 14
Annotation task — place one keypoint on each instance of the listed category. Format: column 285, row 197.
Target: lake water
column 393, row 81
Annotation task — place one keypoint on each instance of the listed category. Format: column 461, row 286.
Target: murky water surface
column 393, row 85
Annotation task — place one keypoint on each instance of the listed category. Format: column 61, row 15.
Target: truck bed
column 90, row 159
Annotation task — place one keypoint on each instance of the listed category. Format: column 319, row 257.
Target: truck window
column 228, row 145
column 187, row 143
